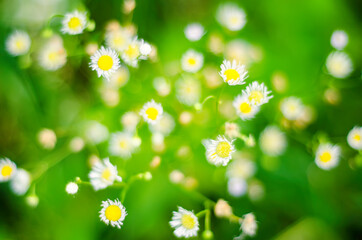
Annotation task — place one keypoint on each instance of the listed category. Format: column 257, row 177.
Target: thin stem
column 127, row 185
column 207, row 217
column 217, row 105
column 201, row 213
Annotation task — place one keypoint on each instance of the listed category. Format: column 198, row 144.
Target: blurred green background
column 301, row 201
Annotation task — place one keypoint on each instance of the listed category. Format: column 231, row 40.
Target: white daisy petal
column 327, row 156
column 103, row 174
column 151, row 112
column 218, row 152
column 113, row 212
column 257, row 93
column 7, row 169
column 192, row 61
column 18, row 43
column 233, row 73
column 185, row 223
column 354, row 138
column 74, row 23
column 244, row 108
column 105, row 61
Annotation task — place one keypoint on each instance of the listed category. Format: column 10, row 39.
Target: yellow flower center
column 325, row 157
column 74, row 23
column 152, row 113
column 234, row 20
column 52, row 56
column 105, row 62
column 188, row 221
column 231, row 74
column 19, row 44
column 245, row 107
column 106, row 174
column 132, row 51
column 357, row 137
column 118, row 41
column 191, row 61
column 223, row 149
column 123, row 144
column 113, row 213
column 257, row 96
column 6, row 171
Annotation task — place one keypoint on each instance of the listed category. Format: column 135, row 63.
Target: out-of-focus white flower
column 133, row 53
column 215, row 43
column 32, row 200
column 165, row 125
column 110, row 96
column 118, row 39
column 151, row 112
column 129, row 6
column 237, row 187
column 119, row 78
column 212, row 77
column 47, row 138
column 242, row 52
column 91, row 48
column 18, row 43
column 256, row 190
column 233, row 73
column 192, row 61
column 113, row 212
column 339, row 65
column 188, row 91
column 219, row 151
column 244, row 108
column 105, row 62
column 158, row 142
column 185, row 117
column 53, row 55
column 7, row 169
column 96, row 132
column 71, row 188
column 103, row 174
column 162, row 86
column 129, row 121
column 176, row 176
column 339, row 39
column 76, row 144
column 231, row 16
column 145, row 49
column 222, row 209
column 248, row 225
column 258, row 94
column 74, row 23
column 194, row 31
column 354, row 138
column 185, row 223
column 121, row 144
column 241, row 168
column 292, row 108
column 272, row 141
column 327, row 156
column 280, row 81
column 20, row 183
column 232, row 130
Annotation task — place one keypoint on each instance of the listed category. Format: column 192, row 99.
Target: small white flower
column 231, row 16
column 354, row 138
column 47, row 138
column 192, row 61
column 242, row 52
column 188, row 91
column 194, row 31
column 105, row 61
column 20, row 183
column 130, row 120
column 76, row 144
column 132, row 52
column 74, row 23
column 32, row 200
column 248, row 224
column 339, row 64
column 71, row 188
column 185, row 223
column 96, row 132
column 233, row 73
column 7, row 169
column 151, row 112
column 219, row 151
column 165, row 125
column 176, row 176
column 113, row 212
column 121, row 144
column 223, row 209
column 257, row 93
column 237, row 187
column 103, row 174
column 18, row 43
column 327, row 156
column 272, row 141
column 339, row 39
column 244, row 108
column 119, row 78
column 53, row 55
column 118, row 39
column 162, row 86
column 232, row 130
column 145, row 49
column 292, row 108
column 241, row 168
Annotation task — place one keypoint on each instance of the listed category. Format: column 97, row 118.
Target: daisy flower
column 272, row 141
column 96, row 132
column 194, row 31
column 121, row 144
column 105, row 61
column 113, row 212
column 248, row 225
column 151, row 112
column 188, row 91
column 241, row 168
column 185, row 223
column 162, row 86
column 135, row 50
column 103, row 174
column 118, row 39
column 71, row 188
column 47, row 138
column 232, row 130
column 242, row 52
column 119, row 78
column 339, row 65
column 130, row 120
column 218, row 152
column 231, row 16
column 327, row 156
column 53, row 55
column 18, row 43
column 233, row 73
column 74, row 23
column 257, row 93
column 244, row 108
column 339, row 39
column 7, row 169
column 165, row 125
column 20, row 183
column 292, row 108
column 223, row 209
column 192, row 61
column 354, row 138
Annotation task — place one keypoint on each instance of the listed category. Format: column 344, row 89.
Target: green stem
column 217, row 105
column 127, row 185
column 201, row 213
